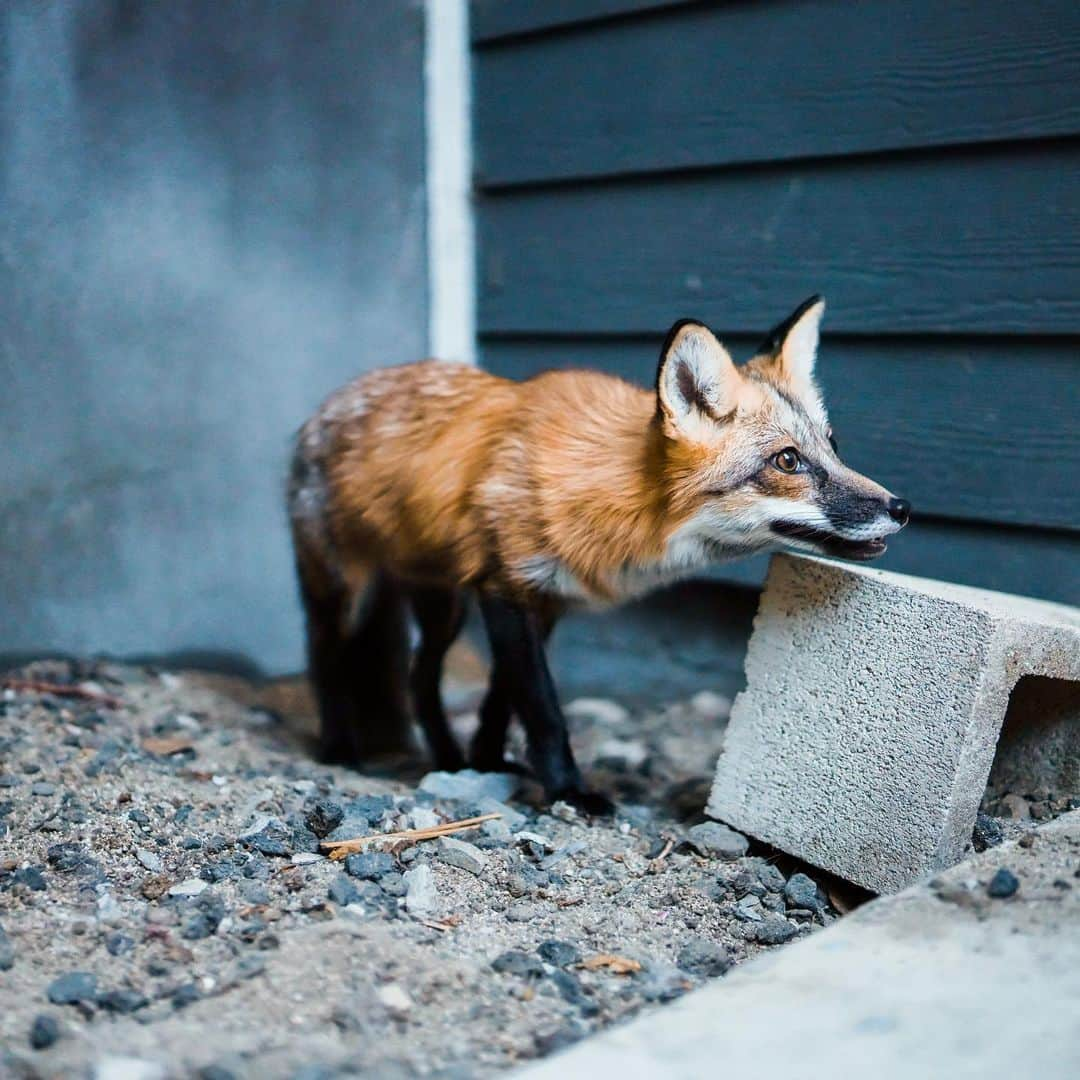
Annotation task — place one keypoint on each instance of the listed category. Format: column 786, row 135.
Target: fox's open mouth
column 830, row 543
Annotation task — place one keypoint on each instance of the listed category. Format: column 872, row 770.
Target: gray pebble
column 118, row 944
column 468, row 785
column 368, row 865
column 718, row 841
column 1003, row 884
column 31, row 877
column 343, row 892
column 802, row 891
column 122, row 1001
column 560, row 953
column 44, row 1032
column 43, row 788
column 72, row 988
column 700, row 956
column 774, row 931
column 518, row 963
column 522, row 911
column 771, row 877
column 150, row 860
column 462, row 854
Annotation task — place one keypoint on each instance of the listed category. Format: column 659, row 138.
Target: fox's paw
column 585, row 802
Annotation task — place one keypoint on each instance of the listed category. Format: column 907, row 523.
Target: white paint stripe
column 451, row 264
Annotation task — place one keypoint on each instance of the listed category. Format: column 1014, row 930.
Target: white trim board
column 450, row 241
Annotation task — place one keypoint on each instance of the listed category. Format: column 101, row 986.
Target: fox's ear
column 697, row 382
column 794, row 343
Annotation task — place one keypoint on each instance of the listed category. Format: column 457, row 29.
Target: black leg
column 488, row 748
column 440, row 613
column 358, row 670
column 517, row 649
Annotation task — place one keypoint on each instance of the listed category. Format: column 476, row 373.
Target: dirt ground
column 166, row 909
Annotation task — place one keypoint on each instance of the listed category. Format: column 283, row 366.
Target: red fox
column 414, row 486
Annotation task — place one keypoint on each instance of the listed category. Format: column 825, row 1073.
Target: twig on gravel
column 340, row 848
column 617, row 965
column 37, row 686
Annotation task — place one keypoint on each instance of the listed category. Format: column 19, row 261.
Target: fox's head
column 749, row 452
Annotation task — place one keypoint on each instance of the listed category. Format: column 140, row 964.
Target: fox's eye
column 832, row 441
column 787, row 460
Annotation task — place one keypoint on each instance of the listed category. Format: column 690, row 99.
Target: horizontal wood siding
column 749, row 82
column 916, row 162
column 980, row 242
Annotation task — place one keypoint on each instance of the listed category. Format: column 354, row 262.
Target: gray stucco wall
column 210, row 215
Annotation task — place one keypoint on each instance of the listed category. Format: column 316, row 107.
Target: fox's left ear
column 794, row 343
column 697, row 383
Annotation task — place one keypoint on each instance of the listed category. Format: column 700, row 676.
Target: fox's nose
column 899, row 510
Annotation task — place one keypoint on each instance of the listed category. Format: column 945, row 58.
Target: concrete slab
column 873, row 709
column 939, row 981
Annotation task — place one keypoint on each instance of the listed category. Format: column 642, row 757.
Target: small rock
column 150, row 860
column 468, row 785
column 700, row 956
column 560, row 953
column 1003, row 884
column 462, row 854
column 31, row 877
column 122, row 1001
column 343, row 892
column 522, row 911
column 109, row 909
column 802, row 891
column 118, row 944
column 710, row 706
column 73, row 988
column 749, row 909
column 987, row 833
column 394, row 998
column 67, row 857
column 190, row 887
column 44, row 1032
column 185, row 995
column 393, row 884
column 597, row 710
column 771, row 877
column 43, row 788
column 774, row 931
column 420, row 895
column 128, row 1068
column 718, row 841
column 422, row 818
column 662, row 982
column 518, row 963
column 368, row 865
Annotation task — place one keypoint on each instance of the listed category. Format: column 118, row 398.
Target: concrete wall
column 211, row 213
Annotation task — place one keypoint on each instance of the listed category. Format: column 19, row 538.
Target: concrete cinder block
column 874, row 705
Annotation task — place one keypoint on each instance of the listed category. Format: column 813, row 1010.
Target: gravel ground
column 166, row 911
column 163, row 897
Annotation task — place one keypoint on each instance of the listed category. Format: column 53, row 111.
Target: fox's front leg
column 517, row 649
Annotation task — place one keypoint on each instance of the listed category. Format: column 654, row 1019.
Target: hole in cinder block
column 1038, row 752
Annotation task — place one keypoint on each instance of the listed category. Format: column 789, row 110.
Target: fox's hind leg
column 358, row 654
column 439, row 613
column 487, row 752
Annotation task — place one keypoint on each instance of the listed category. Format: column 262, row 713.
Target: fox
column 418, row 487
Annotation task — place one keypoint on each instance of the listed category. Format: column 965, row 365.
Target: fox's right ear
column 697, row 382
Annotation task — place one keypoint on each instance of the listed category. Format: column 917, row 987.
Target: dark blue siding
column 918, row 163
